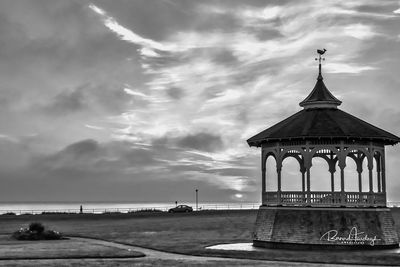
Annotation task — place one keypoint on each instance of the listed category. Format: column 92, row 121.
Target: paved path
column 160, row 255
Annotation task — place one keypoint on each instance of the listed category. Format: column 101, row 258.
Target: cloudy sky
column 147, row 100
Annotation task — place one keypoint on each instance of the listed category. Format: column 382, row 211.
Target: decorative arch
column 265, row 155
column 269, row 154
column 291, row 177
column 358, row 155
column 299, row 155
column 332, row 149
column 296, row 154
column 368, row 152
column 330, row 155
column 291, row 151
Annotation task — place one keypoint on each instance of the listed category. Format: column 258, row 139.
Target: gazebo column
column 332, row 169
column 359, row 158
column 308, row 186
column 342, row 164
column 371, row 184
column 279, row 171
column 370, row 169
column 263, row 182
column 263, row 185
column 303, row 183
column 332, row 181
column 263, row 173
column 378, row 173
column 359, row 161
column 359, row 180
column 342, row 193
column 307, row 160
column 383, row 175
column 303, row 179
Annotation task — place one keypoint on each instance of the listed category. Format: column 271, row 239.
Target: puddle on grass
column 236, row 246
column 250, row 247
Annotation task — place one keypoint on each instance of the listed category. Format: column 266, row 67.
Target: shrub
column 21, row 234
column 36, row 231
column 52, row 235
column 36, row 227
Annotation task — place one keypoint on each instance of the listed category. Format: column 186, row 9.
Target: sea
column 107, row 207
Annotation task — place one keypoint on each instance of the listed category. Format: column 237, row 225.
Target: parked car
column 181, row 208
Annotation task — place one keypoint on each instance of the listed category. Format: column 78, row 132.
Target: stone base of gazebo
column 325, row 228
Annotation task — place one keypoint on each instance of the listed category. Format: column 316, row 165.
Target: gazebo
column 333, row 218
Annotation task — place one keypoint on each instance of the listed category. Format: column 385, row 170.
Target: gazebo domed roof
column 323, row 123
column 321, row 118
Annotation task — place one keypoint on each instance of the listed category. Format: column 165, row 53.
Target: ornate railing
column 324, row 199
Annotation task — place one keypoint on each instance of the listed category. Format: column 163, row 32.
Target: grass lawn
column 185, row 233
column 70, row 248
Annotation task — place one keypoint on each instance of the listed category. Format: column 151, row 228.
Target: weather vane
column 320, row 52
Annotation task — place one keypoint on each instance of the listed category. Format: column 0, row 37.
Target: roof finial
column 320, row 52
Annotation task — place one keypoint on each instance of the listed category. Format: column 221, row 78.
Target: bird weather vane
column 320, row 52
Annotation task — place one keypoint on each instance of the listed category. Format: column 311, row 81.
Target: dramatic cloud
column 202, row 141
column 146, row 100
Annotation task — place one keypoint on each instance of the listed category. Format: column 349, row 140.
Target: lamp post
column 197, row 199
